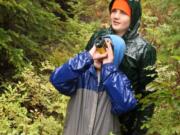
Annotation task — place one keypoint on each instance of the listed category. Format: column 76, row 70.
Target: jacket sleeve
column 65, row 77
column 147, row 72
column 118, row 88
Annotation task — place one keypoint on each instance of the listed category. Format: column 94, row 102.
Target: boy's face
column 120, row 21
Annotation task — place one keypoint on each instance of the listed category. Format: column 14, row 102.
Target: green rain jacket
column 140, row 56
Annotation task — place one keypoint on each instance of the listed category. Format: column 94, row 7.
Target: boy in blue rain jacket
column 99, row 91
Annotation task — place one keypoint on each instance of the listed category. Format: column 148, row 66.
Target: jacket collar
column 92, row 70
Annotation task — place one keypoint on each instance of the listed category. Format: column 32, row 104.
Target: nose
column 117, row 14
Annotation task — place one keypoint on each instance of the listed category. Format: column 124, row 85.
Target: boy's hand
column 110, row 54
column 96, row 55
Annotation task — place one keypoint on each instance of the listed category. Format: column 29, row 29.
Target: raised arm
column 65, row 77
column 118, row 88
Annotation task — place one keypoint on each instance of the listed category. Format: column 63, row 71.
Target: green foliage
column 31, row 33
column 26, row 28
column 77, row 34
column 165, row 120
column 32, row 106
column 33, row 41
column 161, row 27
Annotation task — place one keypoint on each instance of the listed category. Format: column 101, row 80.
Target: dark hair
column 110, row 5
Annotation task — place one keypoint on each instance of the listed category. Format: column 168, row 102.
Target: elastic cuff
column 81, row 61
column 90, row 58
column 109, row 66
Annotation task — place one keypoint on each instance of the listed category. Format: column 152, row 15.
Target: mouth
column 116, row 23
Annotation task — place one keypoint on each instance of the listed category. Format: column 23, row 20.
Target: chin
column 117, row 28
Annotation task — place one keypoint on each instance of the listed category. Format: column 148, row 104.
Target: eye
column 118, row 10
column 113, row 10
column 122, row 12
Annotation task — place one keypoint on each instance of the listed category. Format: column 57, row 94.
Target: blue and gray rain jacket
column 96, row 98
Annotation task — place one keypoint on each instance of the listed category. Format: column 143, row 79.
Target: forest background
column 38, row 35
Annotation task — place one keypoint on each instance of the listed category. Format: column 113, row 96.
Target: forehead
column 116, row 10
